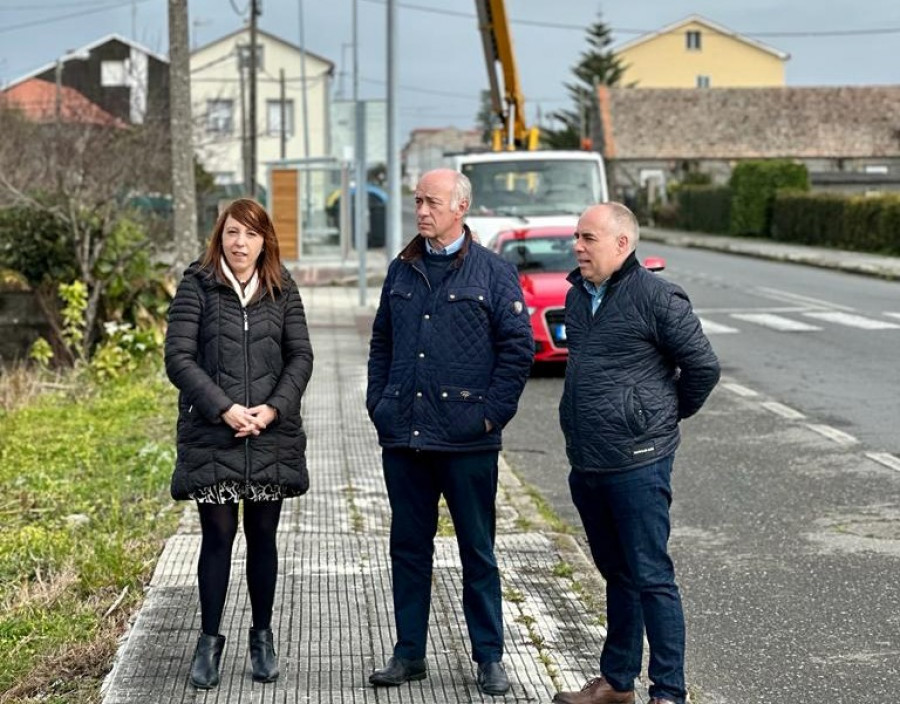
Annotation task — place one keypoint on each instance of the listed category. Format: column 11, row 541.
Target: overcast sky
column 441, row 61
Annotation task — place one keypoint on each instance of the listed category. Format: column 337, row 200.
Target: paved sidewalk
column 333, row 611
column 854, row 262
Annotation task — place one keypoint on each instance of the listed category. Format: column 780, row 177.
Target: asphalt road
column 786, row 535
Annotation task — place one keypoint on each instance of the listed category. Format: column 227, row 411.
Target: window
column 703, row 81
column 273, row 117
column 875, row 169
column 113, row 73
column 692, row 40
column 220, row 116
column 244, row 56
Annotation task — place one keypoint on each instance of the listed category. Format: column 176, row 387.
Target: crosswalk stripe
column 740, row 390
column 833, row 434
column 885, row 458
column 851, row 320
column 779, row 409
column 776, row 322
column 893, row 315
column 711, row 328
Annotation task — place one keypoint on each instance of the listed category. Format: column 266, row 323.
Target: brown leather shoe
column 597, row 691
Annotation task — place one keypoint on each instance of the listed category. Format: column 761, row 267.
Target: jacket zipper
column 246, row 391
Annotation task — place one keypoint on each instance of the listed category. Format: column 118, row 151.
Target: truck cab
column 512, row 190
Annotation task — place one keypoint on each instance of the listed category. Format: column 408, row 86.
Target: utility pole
column 361, row 199
column 184, row 192
column 392, row 240
column 254, row 13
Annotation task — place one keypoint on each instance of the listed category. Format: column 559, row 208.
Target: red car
column 544, row 257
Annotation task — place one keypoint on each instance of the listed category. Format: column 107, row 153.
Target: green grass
column 85, row 509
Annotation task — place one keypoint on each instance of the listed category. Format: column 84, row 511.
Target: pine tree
column 597, row 62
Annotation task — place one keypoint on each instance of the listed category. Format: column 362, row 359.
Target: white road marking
column 838, row 436
column 711, row 328
column 893, row 315
column 780, row 409
column 740, row 390
column 755, row 309
column 851, row 320
column 778, row 294
column 775, row 322
column 885, row 458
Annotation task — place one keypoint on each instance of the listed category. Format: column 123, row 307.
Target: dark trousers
column 626, row 519
column 415, row 481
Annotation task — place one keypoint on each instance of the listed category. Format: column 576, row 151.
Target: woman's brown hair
column 254, row 217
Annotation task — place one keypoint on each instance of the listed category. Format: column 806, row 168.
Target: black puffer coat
column 636, row 367
column 218, row 354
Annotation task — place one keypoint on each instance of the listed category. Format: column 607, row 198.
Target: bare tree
column 84, row 173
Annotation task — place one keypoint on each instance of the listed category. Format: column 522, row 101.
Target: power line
column 625, row 30
column 59, row 18
column 51, row 6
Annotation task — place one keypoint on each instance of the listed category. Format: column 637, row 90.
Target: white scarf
column 244, row 294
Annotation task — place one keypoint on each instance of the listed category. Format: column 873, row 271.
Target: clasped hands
column 249, row 421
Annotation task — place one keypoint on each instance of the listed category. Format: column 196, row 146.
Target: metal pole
column 283, row 110
column 252, row 119
column 361, row 199
column 305, row 104
column 393, row 238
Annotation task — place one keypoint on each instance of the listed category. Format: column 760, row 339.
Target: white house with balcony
column 220, row 93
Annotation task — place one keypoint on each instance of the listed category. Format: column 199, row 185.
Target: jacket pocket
column 462, row 413
column 635, row 413
column 384, row 415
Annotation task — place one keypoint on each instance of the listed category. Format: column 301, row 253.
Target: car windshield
column 540, row 254
column 533, row 187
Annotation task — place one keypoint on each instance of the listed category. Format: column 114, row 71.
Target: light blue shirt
column 596, row 293
column 451, row 248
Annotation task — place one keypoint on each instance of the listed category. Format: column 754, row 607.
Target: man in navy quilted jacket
column 450, row 353
column 638, row 364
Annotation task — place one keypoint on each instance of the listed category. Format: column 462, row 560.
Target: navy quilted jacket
column 443, row 360
column 636, row 367
column 216, row 356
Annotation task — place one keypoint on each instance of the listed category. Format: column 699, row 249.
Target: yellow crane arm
column 509, row 103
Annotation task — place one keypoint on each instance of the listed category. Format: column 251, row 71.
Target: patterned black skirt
column 231, row 491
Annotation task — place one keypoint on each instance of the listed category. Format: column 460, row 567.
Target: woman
column 237, row 348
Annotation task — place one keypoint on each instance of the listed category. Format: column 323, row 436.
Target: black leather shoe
column 397, row 671
column 263, row 659
column 492, row 679
column 205, row 665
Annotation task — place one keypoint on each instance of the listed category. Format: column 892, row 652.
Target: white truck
column 517, row 189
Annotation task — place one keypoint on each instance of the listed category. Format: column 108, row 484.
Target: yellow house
column 697, row 53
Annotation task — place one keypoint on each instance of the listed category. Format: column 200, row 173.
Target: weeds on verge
column 84, row 472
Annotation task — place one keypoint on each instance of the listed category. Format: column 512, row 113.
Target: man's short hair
column 623, row 218
column 462, row 191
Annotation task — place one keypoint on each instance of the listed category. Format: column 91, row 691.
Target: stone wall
column 21, row 322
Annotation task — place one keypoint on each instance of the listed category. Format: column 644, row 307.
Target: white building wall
column 215, row 76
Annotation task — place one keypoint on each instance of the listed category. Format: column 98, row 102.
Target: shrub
column 754, row 185
column 704, row 208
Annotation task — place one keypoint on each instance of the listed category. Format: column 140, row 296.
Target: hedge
column 704, row 208
column 753, row 187
column 858, row 223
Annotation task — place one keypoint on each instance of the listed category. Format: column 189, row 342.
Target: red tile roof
column 36, row 98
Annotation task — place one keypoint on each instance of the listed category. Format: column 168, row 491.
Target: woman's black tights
column 218, row 523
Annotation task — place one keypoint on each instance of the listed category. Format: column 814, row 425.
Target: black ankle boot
column 205, row 665
column 262, row 655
